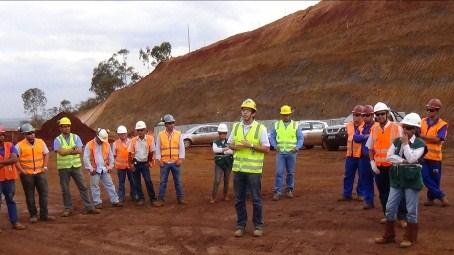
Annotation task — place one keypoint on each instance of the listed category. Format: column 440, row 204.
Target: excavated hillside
column 322, row 60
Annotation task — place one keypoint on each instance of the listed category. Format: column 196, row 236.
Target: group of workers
column 400, row 157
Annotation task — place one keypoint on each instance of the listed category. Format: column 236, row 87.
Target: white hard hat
column 380, row 107
column 168, row 118
column 102, row 135
column 122, row 130
column 140, row 125
column 223, row 128
column 412, row 119
column 27, row 127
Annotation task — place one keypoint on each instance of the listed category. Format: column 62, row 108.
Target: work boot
column 18, row 226
column 367, row 206
column 67, row 213
column 444, row 201
column 155, row 203
column 410, row 236
column 212, row 201
column 429, row 202
column 33, row 219
column 47, row 218
column 140, row 202
column 389, row 235
column 117, row 204
column 383, row 221
column 289, row 194
column 239, row 232
column 181, row 201
column 258, row 232
column 402, row 223
column 344, row 199
column 93, row 211
column 226, row 197
column 276, row 197
column 98, row 206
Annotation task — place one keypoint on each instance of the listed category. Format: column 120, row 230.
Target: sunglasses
column 357, row 115
column 29, row 133
column 408, row 127
column 380, row 113
column 222, row 133
column 169, row 123
column 366, row 115
column 140, row 130
column 431, row 110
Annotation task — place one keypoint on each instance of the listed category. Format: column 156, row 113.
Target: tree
column 34, row 103
column 112, row 74
column 65, row 106
column 154, row 56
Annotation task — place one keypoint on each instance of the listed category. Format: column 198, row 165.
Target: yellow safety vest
column 248, row 160
column 68, row 161
column 285, row 136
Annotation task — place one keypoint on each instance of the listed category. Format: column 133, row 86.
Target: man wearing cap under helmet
column 288, row 139
column 99, row 161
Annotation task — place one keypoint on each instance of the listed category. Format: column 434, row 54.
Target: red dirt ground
column 311, row 223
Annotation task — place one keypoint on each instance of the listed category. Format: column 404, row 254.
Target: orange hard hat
column 357, row 109
column 368, row 109
column 434, row 103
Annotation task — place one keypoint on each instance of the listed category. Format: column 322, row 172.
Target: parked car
column 202, row 134
column 336, row 135
column 312, row 131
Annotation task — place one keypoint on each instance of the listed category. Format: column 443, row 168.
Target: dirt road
column 311, row 223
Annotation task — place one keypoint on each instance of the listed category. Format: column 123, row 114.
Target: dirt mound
column 49, row 130
column 322, row 60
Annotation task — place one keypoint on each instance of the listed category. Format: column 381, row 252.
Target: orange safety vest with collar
column 382, row 140
column 105, row 152
column 433, row 149
column 170, row 146
column 353, row 148
column 9, row 172
column 121, row 154
column 150, row 141
column 31, row 157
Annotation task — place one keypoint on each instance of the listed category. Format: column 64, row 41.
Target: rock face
column 322, row 61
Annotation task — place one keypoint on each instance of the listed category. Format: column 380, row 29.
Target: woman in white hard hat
column 405, row 178
column 223, row 160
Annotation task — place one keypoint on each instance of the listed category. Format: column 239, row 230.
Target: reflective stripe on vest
column 170, row 145
column 353, row 148
column 68, row 161
column 434, row 149
column 121, row 154
column 383, row 140
column 31, row 157
column 8, row 172
column 105, row 153
column 248, row 160
column 285, row 136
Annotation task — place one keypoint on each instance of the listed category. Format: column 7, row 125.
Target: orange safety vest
column 382, row 140
column 31, row 157
column 434, row 149
column 105, row 152
column 170, row 145
column 121, row 154
column 353, row 148
column 132, row 146
column 8, row 172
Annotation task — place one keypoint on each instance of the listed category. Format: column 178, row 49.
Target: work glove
column 374, row 167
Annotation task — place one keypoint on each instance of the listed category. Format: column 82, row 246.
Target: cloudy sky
column 54, row 46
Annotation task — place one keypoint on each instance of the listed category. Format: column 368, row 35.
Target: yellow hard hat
column 64, row 121
column 285, row 110
column 249, row 103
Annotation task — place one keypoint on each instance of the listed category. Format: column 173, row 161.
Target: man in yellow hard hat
column 249, row 141
column 287, row 138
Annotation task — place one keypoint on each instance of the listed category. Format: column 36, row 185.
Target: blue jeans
column 122, row 173
column 285, row 162
column 366, row 180
column 351, row 166
column 176, row 174
column 396, row 195
column 242, row 184
column 144, row 170
column 8, row 188
column 383, row 186
column 431, row 176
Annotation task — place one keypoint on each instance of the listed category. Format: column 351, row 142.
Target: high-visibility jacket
column 31, row 157
column 169, row 146
column 285, row 136
column 105, row 152
column 121, row 154
column 434, row 149
column 382, row 140
column 150, row 141
column 353, row 148
column 68, row 161
column 248, row 160
column 8, row 172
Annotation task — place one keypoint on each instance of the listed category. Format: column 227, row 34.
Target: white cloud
column 55, row 45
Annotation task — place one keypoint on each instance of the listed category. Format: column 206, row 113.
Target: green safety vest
column 285, row 136
column 406, row 176
column 224, row 161
column 248, row 160
column 68, row 161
